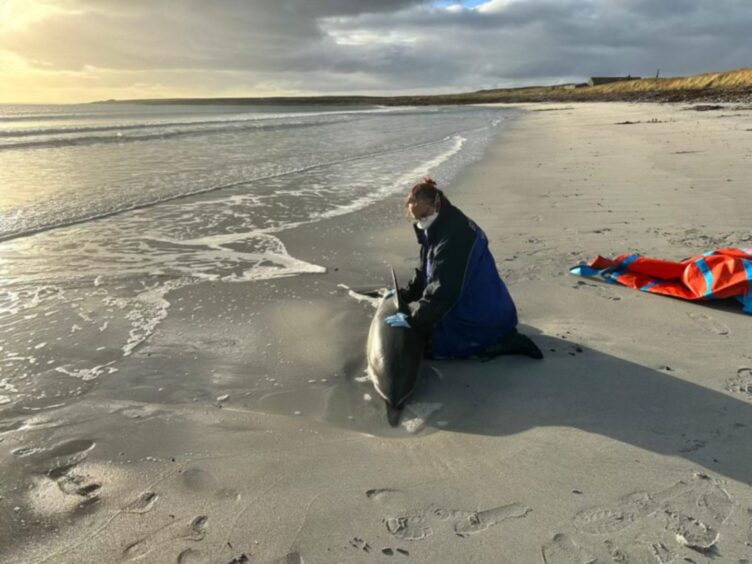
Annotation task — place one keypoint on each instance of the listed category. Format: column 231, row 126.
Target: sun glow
column 17, row 14
column 23, row 80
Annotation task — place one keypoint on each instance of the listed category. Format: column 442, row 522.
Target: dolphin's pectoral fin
column 369, row 292
column 393, row 414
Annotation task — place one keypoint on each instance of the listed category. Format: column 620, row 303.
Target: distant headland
column 728, row 86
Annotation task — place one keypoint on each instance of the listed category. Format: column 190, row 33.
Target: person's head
column 424, row 199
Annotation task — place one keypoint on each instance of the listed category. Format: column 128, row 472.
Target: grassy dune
column 729, row 80
column 728, row 86
column 733, row 85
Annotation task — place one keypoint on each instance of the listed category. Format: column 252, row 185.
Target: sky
column 63, row 51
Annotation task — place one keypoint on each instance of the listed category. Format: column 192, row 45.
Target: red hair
column 425, row 190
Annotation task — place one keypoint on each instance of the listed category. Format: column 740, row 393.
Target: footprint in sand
column 191, row 556
column 702, row 496
column 742, row 383
column 421, row 524
column 629, row 509
column 80, row 485
column 600, row 521
column 691, row 445
column 67, row 493
column 142, row 503
column 228, row 494
column 661, row 553
column 691, row 532
column 482, row 520
column 195, row 530
column 390, row 500
column 415, row 527
column 563, row 550
column 691, row 512
column 60, row 486
column 197, row 479
column 709, row 324
column 715, row 503
column 379, row 493
column 191, row 530
column 57, row 460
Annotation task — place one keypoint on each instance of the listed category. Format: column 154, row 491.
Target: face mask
column 426, row 222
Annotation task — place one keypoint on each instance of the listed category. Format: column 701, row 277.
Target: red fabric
column 728, row 274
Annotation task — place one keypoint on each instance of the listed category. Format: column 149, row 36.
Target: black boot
column 514, row 343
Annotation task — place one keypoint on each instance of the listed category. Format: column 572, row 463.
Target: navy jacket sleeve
column 414, row 290
column 450, row 259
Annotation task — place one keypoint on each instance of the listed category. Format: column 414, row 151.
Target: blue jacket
column 459, row 298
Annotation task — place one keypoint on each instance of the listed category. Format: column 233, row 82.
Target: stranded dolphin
column 394, row 356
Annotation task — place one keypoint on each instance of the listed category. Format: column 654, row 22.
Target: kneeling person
column 457, row 297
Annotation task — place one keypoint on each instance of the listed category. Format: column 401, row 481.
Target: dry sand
column 240, row 431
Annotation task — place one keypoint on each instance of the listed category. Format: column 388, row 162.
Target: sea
column 105, row 209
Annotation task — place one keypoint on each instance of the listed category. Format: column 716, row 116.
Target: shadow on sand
column 650, row 408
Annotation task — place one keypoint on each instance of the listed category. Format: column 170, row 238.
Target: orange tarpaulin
column 725, row 273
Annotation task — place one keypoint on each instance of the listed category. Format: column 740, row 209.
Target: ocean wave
column 119, row 137
column 230, row 117
column 71, row 130
column 243, row 120
column 9, row 235
column 43, row 116
column 55, row 137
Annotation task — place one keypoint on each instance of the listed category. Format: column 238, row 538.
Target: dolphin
column 394, row 356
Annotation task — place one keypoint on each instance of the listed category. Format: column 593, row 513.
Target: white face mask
column 426, row 222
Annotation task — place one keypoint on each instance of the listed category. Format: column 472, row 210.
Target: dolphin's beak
column 393, row 414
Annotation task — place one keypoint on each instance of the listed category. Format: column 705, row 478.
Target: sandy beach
column 242, row 429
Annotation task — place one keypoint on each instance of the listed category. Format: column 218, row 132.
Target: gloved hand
column 398, row 320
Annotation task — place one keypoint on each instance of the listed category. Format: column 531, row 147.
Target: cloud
column 187, row 47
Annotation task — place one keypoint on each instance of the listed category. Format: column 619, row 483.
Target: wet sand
column 241, row 430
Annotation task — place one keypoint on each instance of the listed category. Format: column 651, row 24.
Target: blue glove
column 398, row 320
column 388, row 294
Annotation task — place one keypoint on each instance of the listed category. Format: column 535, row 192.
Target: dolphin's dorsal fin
column 400, row 305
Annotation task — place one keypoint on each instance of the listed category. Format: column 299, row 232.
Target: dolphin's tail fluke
column 393, row 414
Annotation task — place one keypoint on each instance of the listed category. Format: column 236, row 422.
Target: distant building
column 598, row 80
column 572, row 85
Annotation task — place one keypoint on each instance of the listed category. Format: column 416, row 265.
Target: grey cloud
column 549, row 40
column 313, row 45
column 188, row 34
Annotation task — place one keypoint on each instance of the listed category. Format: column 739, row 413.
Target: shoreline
column 617, row 435
column 726, row 86
column 511, row 97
